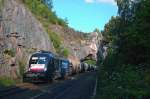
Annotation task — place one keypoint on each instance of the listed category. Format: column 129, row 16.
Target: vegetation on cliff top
column 43, row 12
column 41, row 9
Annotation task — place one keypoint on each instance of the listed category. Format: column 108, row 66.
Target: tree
column 49, row 3
column 128, row 64
column 112, row 28
column 126, row 8
column 96, row 30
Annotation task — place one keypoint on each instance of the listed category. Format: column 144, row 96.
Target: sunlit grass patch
column 6, row 81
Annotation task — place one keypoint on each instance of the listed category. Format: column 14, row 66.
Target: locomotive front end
column 37, row 71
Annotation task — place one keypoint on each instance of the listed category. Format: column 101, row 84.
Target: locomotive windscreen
column 38, row 60
column 38, row 64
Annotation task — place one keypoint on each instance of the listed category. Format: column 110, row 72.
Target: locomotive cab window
column 38, row 60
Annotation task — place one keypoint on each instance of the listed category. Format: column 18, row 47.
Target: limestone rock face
column 21, row 33
column 77, row 43
column 17, row 18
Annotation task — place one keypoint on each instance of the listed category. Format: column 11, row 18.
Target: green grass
column 6, row 81
column 55, row 38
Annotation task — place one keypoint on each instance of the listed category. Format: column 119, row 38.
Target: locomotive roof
column 48, row 53
column 64, row 59
column 45, row 53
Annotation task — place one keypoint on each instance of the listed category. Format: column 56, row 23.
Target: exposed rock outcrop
column 16, row 18
column 79, row 45
column 21, row 33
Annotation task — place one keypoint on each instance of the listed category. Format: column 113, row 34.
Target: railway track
column 54, row 90
column 15, row 90
column 59, row 90
column 10, row 91
column 23, row 88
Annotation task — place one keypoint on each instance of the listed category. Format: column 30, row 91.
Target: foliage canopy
column 125, row 71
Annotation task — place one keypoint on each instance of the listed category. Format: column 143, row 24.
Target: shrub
column 9, row 52
column 65, row 52
column 40, row 9
column 125, row 82
column 92, row 62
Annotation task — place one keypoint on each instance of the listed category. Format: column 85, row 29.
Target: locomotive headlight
column 29, row 69
column 45, row 68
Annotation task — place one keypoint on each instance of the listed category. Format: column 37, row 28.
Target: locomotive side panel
column 65, row 68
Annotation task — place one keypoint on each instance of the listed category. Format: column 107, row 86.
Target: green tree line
column 125, row 72
column 44, row 11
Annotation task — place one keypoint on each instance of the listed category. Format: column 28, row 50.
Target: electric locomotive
column 41, row 67
column 46, row 66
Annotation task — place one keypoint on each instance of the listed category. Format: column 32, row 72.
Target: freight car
column 65, row 68
column 46, row 66
column 75, row 64
column 84, row 67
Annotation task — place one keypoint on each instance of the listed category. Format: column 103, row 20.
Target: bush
column 92, row 62
column 65, row 52
column 124, row 81
column 62, row 22
column 40, row 9
column 9, row 52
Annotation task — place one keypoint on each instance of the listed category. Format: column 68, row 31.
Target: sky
column 85, row 15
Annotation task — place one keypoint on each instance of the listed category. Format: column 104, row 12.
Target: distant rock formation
column 92, row 43
column 79, row 45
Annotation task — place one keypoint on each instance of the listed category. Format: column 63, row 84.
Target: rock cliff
column 21, row 33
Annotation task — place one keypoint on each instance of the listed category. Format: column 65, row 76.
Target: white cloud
column 89, row 1
column 101, row 1
column 106, row 1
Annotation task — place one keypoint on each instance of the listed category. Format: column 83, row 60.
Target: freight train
column 45, row 66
